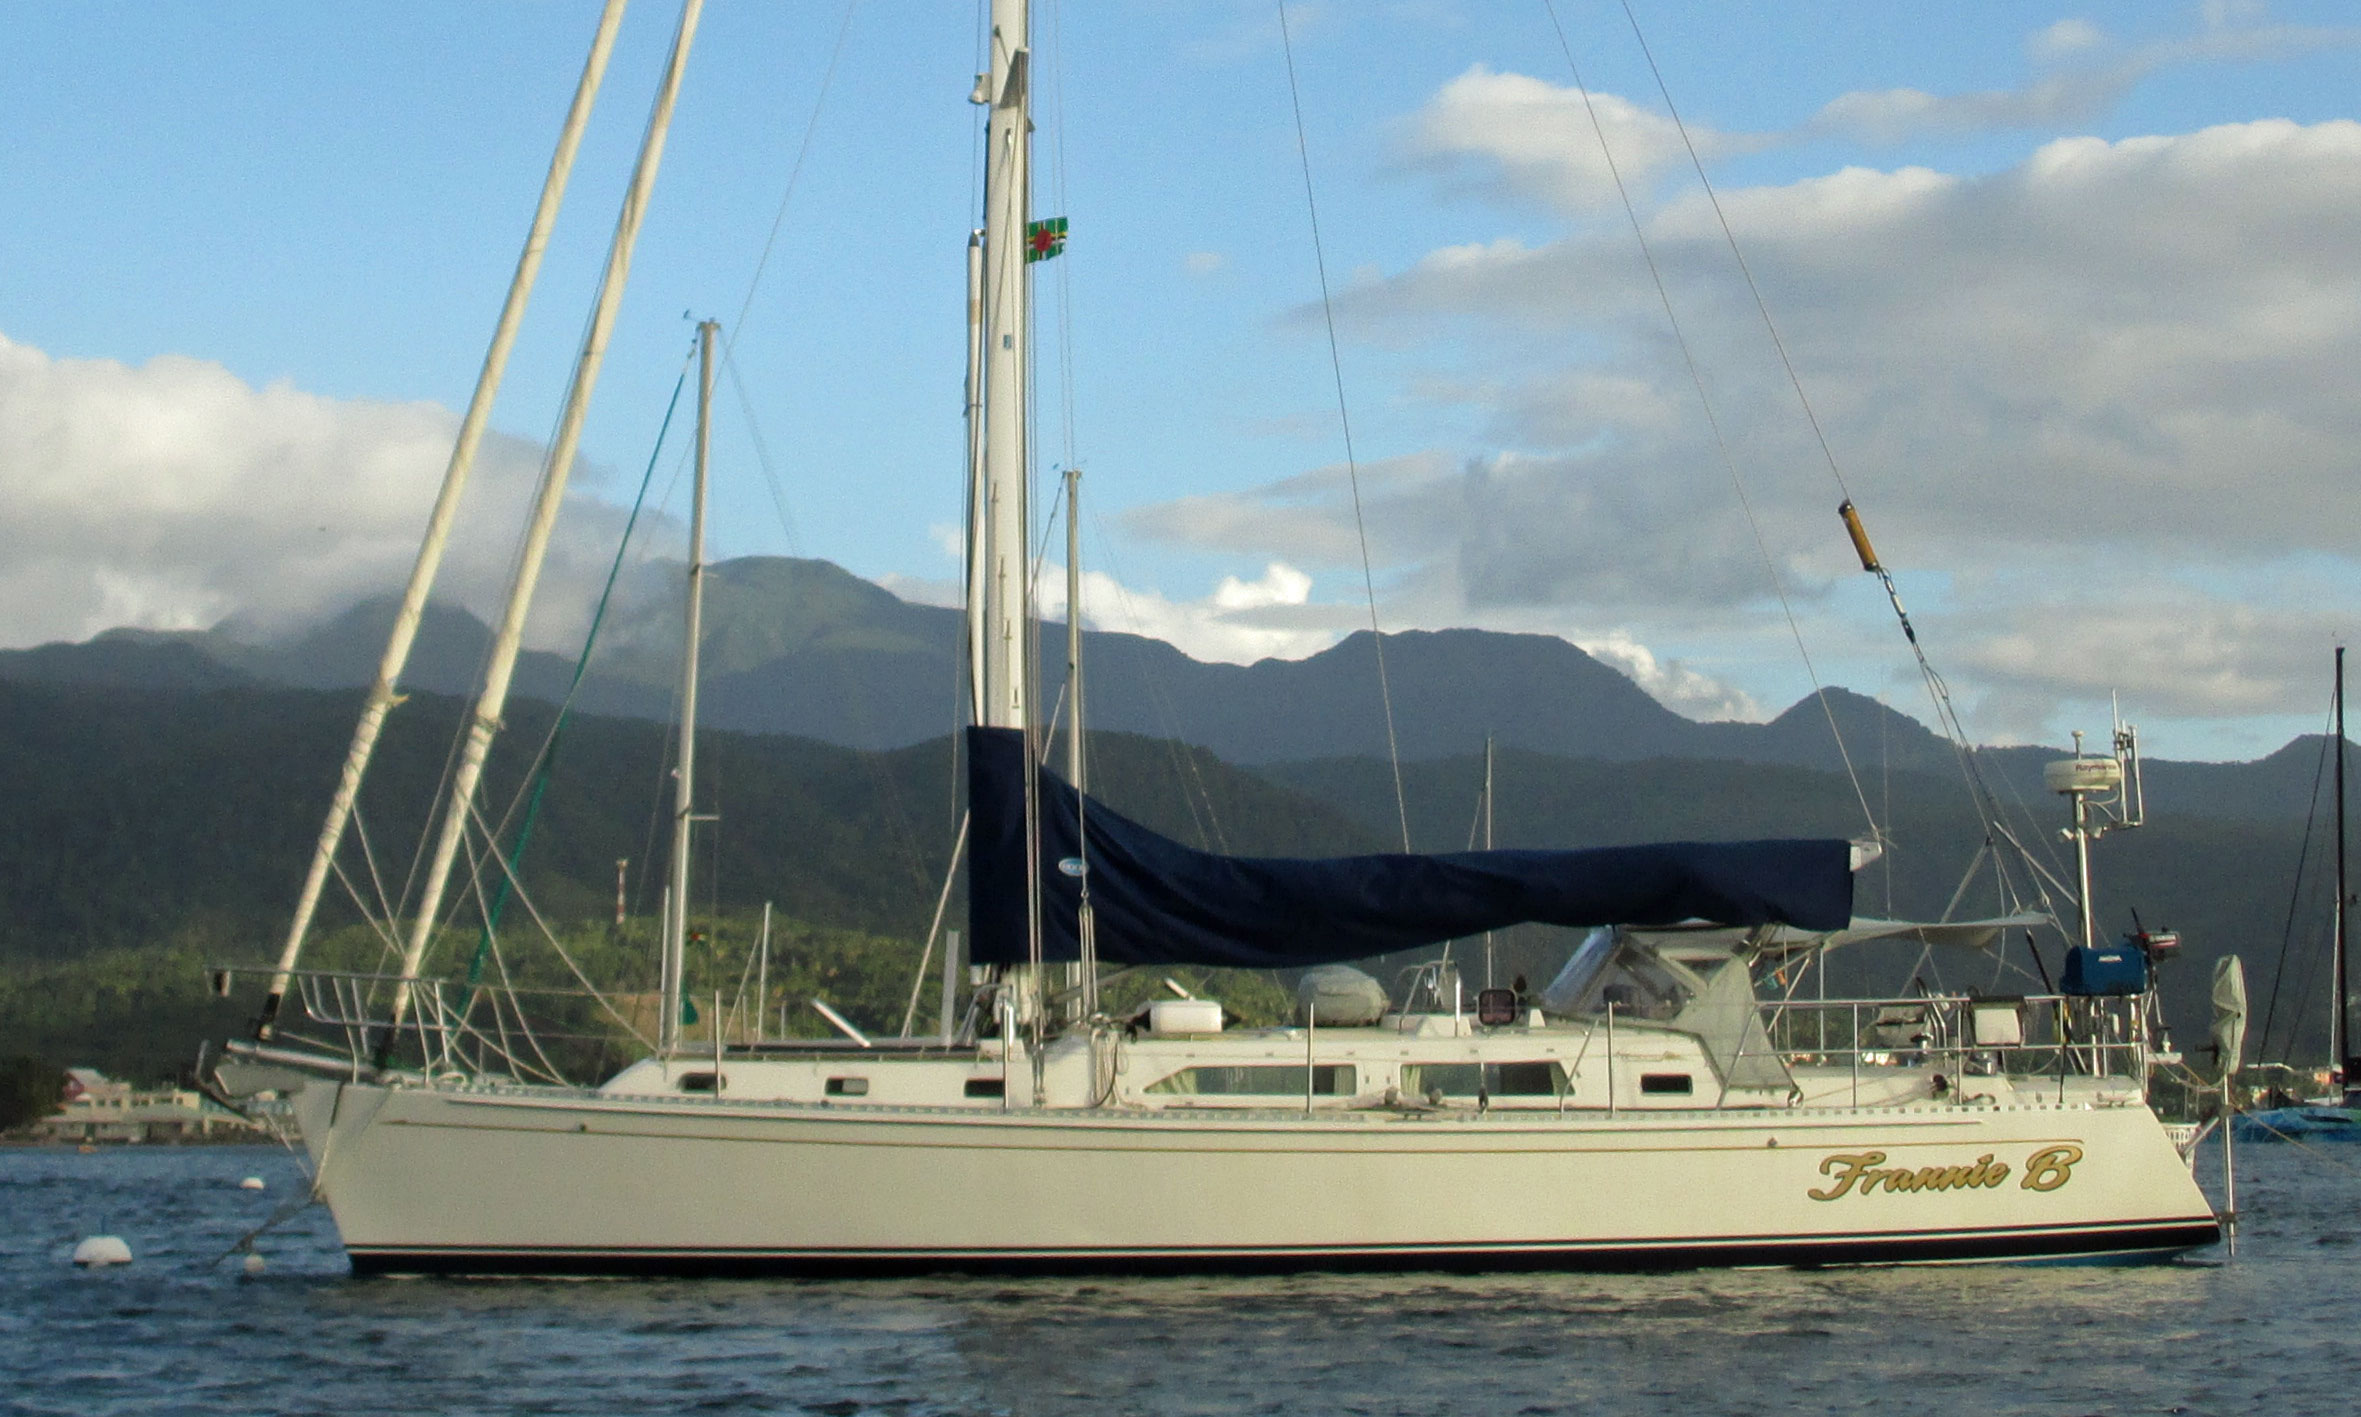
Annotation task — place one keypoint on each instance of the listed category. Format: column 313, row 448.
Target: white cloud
column 2224, row 14
column 2065, row 39
column 1309, row 517
column 1671, row 683
column 1204, row 263
column 2235, row 31
column 1241, row 621
column 1270, row 617
column 172, row 495
column 2168, row 649
column 1891, row 115
column 2114, row 357
column 1515, row 137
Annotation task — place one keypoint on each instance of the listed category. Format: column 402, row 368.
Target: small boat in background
column 2333, row 1118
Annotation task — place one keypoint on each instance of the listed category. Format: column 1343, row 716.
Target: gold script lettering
column 2048, row 1170
column 1856, row 1164
column 1862, row 1173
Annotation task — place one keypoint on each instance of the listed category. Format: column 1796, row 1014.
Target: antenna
column 2106, row 796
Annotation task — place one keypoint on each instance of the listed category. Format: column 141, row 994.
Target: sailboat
column 2338, row 1116
column 1664, row 1101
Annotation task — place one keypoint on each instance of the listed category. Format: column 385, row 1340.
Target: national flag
column 1044, row 239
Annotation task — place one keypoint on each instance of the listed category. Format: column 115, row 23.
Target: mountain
column 130, row 812
column 803, row 647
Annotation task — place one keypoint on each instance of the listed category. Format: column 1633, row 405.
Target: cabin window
column 848, row 1087
column 700, row 1082
column 1259, row 1080
column 1546, row 1079
column 1668, row 1084
column 987, row 1087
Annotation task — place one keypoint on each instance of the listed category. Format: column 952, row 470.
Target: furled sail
column 1154, row 901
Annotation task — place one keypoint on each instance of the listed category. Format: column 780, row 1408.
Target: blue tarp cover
column 1155, row 901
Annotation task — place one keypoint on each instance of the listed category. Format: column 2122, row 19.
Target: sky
column 2071, row 293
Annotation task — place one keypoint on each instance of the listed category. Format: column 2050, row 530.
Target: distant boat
column 1666, row 1101
column 2329, row 1119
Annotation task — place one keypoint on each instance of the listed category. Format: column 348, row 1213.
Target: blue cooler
column 2104, row 969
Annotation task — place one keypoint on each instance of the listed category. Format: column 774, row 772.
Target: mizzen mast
column 684, row 819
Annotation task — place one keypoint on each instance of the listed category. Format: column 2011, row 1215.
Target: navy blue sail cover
column 1157, row 902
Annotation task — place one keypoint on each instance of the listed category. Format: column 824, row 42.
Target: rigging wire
column 1947, row 717
column 376, row 879
column 762, row 456
column 794, row 175
column 1057, row 181
column 863, row 709
column 1303, row 149
column 1186, row 772
column 545, row 759
column 1704, row 399
column 2294, row 897
column 898, row 823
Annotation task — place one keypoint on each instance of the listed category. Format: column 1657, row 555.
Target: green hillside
column 151, row 834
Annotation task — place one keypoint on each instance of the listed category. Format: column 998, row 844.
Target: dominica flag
column 1044, row 239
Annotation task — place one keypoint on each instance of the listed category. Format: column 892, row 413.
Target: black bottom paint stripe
column 2158, row 1241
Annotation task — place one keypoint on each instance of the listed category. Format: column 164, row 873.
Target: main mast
column 1006, row 311
column 1004, row 547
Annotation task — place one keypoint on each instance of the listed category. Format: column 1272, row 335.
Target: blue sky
column 2079, row 317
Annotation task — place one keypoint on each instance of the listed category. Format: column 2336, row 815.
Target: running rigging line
column 2295, row 894
column 1705, row 401
column 794, row 175
column 1344, row 418
column 545, row 761
column 1947, row 717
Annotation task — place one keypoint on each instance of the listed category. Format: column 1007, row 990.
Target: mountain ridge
column 803, row 647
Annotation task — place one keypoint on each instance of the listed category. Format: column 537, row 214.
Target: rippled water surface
column 2269, row 1329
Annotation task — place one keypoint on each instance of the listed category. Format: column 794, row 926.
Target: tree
column 29, row 1090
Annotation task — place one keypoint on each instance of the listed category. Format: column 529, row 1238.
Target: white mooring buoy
column 251, row 1183
column 253, row 1263
column 99, row 1251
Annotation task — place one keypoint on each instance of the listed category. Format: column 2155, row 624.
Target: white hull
column 554, row 1180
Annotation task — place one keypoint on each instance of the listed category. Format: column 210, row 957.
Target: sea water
column 185, row 1328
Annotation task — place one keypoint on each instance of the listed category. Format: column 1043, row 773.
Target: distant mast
column 2341, row 1045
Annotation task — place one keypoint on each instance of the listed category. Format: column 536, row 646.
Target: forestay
column 1154, row 901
